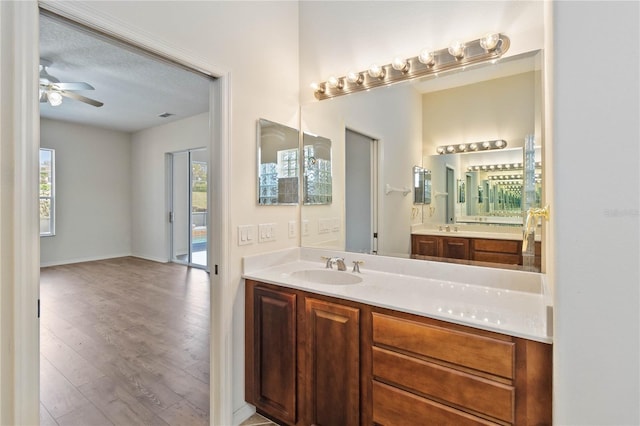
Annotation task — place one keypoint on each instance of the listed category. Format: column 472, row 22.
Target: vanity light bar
column 493, row 167
column 472, row 147
column 427, row 63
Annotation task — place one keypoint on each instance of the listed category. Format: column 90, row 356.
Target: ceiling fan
column 52, row 90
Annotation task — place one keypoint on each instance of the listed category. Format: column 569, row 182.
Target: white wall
column 92, row 193
column 597, row 152
column 149, row 181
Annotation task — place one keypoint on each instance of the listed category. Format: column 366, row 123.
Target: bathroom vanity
column 389, row 346
column 502, row 249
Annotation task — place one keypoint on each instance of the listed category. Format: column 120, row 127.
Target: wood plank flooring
column 124, row 342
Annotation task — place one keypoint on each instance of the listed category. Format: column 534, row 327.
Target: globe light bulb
column 490, row 41
column 456, row 49
column 400, row 64
column 334, row 82
column 54, row 98
column 376, row 71
column 355, row 77
column 427, row 57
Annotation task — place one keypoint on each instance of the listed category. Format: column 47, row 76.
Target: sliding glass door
column 188, row 210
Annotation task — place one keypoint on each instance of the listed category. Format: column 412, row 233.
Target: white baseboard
column 243, row 413
column 152, row 258
column 83, row 259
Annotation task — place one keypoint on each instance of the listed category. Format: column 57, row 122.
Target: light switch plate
column 246, row 234
column 266, row 232
column 305, row 227
column 292, row 229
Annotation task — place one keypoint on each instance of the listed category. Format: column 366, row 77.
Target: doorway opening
column 188, row 214
column 152, row 367
column 361, row 189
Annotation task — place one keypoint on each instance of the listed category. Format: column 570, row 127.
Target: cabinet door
column 455, row 248
column 424, row 245
column 271, row 353
column 333, row 363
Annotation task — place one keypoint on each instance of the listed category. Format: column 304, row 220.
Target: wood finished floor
column 124, row 342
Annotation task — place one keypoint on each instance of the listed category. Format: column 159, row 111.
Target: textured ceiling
column 135, row 88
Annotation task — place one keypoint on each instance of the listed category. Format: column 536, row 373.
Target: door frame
column 20, row 259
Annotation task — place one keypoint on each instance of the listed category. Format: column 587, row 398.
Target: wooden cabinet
column 333, row 351
column 319, row 360
column 270, row 344
column 454, row 374
column 488, row 251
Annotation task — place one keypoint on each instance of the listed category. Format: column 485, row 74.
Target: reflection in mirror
column 316, row 169
column 277, row 163
column 421, row 185
column 500, row 101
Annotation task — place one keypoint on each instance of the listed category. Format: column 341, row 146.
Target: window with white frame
column 47, row 192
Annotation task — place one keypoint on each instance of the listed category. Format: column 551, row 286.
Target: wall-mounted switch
column 305, row 227
column 266, row 232
column 245, row 234
column 292, row 229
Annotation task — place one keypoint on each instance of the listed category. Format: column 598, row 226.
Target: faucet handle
column 328, row 260
column 356, row 265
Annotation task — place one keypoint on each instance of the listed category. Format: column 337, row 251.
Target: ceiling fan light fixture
column 54, row 98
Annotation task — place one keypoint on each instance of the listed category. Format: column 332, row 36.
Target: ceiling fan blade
column 74, row 86
column 81, row 98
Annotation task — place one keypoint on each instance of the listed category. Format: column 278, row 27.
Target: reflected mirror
column 421, row 185
column 316, row 169
column 409, row 121
column 277, row 163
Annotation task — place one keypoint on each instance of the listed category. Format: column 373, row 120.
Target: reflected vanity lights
column 429, row 62
column 472, row 147
column 506, row 166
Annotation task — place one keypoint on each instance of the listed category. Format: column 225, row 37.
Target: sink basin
column 327, row 276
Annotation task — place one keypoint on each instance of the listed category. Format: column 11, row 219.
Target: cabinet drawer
column 504, row 258
column 393, row 406
column 477, row 352
column 498, row 246
column 445, row 384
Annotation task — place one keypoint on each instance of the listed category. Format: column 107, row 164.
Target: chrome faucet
column 335, row 261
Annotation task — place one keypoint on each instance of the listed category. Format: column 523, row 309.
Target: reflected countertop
column 515, row 303
column 466, row 233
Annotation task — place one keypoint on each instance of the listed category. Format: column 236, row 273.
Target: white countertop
column 515, row 303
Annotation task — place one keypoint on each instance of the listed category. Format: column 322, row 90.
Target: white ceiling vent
column 165, row 115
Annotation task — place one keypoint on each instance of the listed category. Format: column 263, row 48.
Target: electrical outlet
column 266, row 232
column 292, row 229
column 335, row 224
column 305, row 227
column 324, row 226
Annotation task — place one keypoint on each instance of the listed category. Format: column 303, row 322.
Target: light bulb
column 450, row 148
column 317, row 88
column 473, row 146
column 490, row 41
column 499, row 143
column 462, row 147
column 355, row 77
column 440, row 150
column 486, row 145
column 456, row 49
column 376, row 71
column 426, row 57
column 400, row 64
column 334, row 82
column 54, row 98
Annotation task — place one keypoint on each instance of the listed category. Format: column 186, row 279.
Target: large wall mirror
column 473, row 191
column 278, row 163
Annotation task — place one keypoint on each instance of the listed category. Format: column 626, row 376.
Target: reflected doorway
column 188, row 207
column 361, row 177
